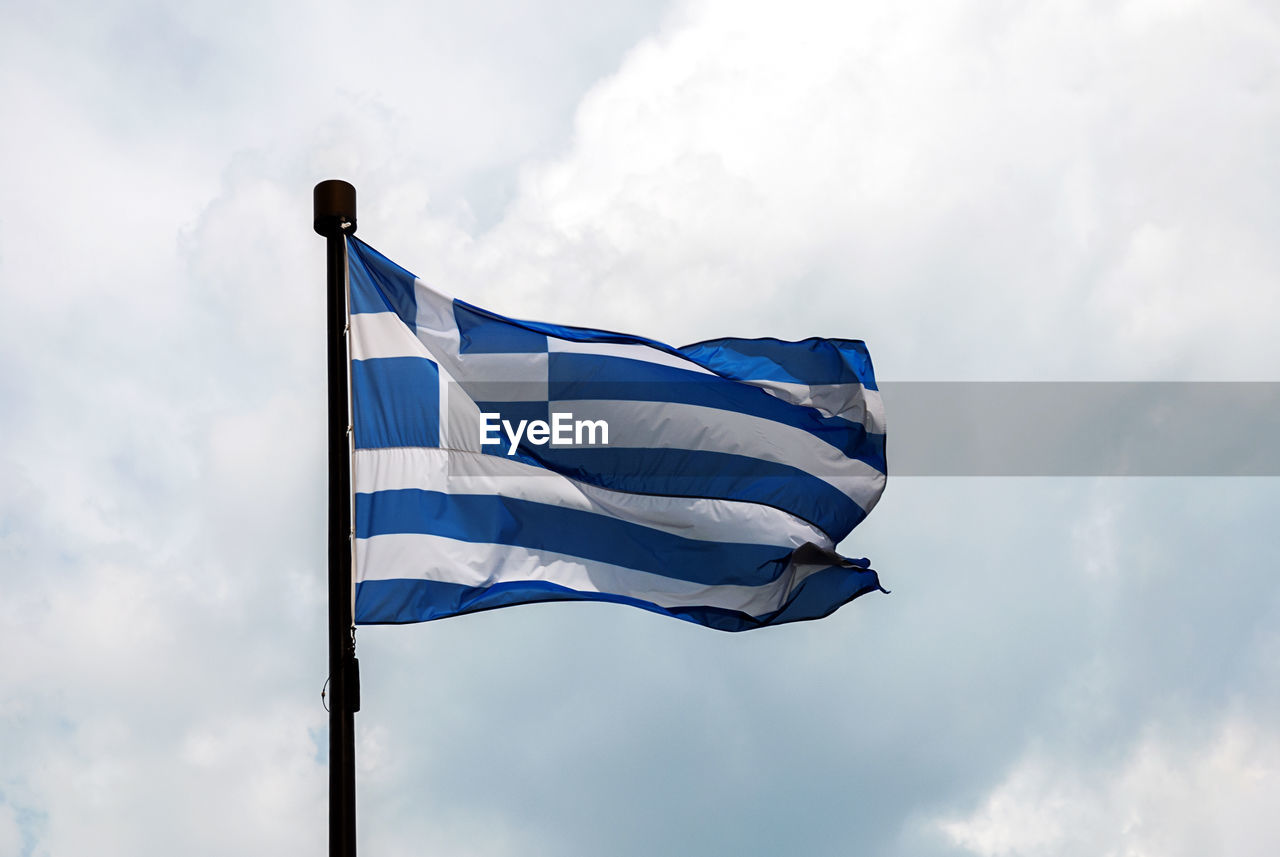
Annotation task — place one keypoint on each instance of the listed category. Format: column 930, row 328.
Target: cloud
column 1065, row 176
column 981, row 191
column 1166, row 797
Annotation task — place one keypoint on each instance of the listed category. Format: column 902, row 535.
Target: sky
column 982, row 191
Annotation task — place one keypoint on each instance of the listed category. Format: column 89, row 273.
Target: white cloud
column 10, row 832
column 981, row 190
column 1069, row 176
column 1168, row 797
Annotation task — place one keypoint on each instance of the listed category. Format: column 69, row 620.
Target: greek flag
column 500, row 462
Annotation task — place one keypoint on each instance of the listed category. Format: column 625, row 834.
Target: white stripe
column 693, row 518
column 851, row 401
column 674, row 425
column 414, row 556
column 490, row 377
column 383, row 334
column 643, row 353
column 435, row 315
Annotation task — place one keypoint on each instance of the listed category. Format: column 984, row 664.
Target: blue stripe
column 393, row 602
column 395, row 402
column 690, row 473
column 810, row 361
column 377, row 284
column 479, row 332
column 589, row 376
column 824, row 592
column 480, row 316
column 493, row 519
column 698, row 473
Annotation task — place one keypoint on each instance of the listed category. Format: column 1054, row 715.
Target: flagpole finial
column 335, row 208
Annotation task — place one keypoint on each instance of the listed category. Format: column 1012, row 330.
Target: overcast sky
column 982, row 191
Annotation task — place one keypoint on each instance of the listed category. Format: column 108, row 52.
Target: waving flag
column 501, row 462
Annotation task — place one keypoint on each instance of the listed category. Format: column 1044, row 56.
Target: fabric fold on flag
column 501, row 462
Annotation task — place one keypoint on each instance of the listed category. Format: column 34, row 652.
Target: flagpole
column 335, row 218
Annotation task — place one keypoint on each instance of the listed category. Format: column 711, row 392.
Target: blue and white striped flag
column 501, row 462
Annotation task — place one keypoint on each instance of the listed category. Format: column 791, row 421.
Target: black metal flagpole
column 335, row 218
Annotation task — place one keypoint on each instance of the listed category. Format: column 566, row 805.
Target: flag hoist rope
column 335, row 219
